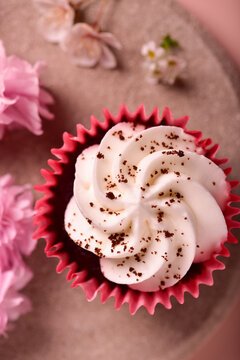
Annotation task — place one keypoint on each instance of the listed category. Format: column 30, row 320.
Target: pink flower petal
column 82, row 29
column 45, row 97
column 111, row 40
column 16, row 229
column 84, row 49
column 2, row 56
column 22, row 83
column 21, row 97
column 25, row 113
column 16, row 226
column 6, row 180
column 5, row 119
column 6, row 280
column 39, row 66
column 12, row 303
column 87, row 46
column 107, row 60
column 19, row 64
column 6, row 102
column 56, row 19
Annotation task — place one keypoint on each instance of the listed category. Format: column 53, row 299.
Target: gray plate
column 62, row 324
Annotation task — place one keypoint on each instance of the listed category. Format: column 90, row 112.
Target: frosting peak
column 148, row 203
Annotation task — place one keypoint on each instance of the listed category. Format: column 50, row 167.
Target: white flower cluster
column 161, row 64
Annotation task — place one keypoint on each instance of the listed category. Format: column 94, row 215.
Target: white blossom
column 56, row 18
column 161, row 65
column 175, row 67
column 88, row 47
column 152, row 52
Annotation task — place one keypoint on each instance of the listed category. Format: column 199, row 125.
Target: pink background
column 54, row 301
column 222, row 19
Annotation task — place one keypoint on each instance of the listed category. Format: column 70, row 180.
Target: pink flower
column 89, row 47
column 56, row 18
column 16, row 228
column 16, row 224
column 22, row 100
column 12, row 303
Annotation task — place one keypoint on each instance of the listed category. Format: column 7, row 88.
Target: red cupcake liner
column 83, row 267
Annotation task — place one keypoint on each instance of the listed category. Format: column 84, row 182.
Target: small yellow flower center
column 172, row 63
column 151, row 54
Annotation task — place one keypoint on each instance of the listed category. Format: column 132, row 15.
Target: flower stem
column 75, row 6
column 100, row 14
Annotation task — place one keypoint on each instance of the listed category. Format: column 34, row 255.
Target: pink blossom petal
column 88, row 47
column 107, row 60
column 39, row 66
column 6, row 280
column 21, row 97
column 16, row 229
column 82, row 29
column 2, row 56
column 25, row 113
column 2, row 86
column 6, row 180
column 87, row 54
column 22, row 275
column 16, row 225
column 84, row 49
column 6, row 102
column 22, row 83
column 20, row 306
column 111, row 40
column 5, row 119
column 16, row 63
column 56, row 19
column 12, row 303
column 44, row 112
column 45, row 98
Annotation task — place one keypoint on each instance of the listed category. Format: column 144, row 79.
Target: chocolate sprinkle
column 110, row 195
column 100, row 155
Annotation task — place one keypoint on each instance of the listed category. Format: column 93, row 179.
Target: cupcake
column 137, row 208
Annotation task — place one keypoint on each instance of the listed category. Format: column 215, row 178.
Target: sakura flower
column 16, row 228
column 22, row 100
column 12, row 303
column 88, row 46
column 16, row 213
column 56, row 18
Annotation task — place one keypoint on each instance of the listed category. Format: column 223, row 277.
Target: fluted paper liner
column 83, row 266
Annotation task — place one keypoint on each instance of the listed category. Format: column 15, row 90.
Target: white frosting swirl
column 148, row 204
